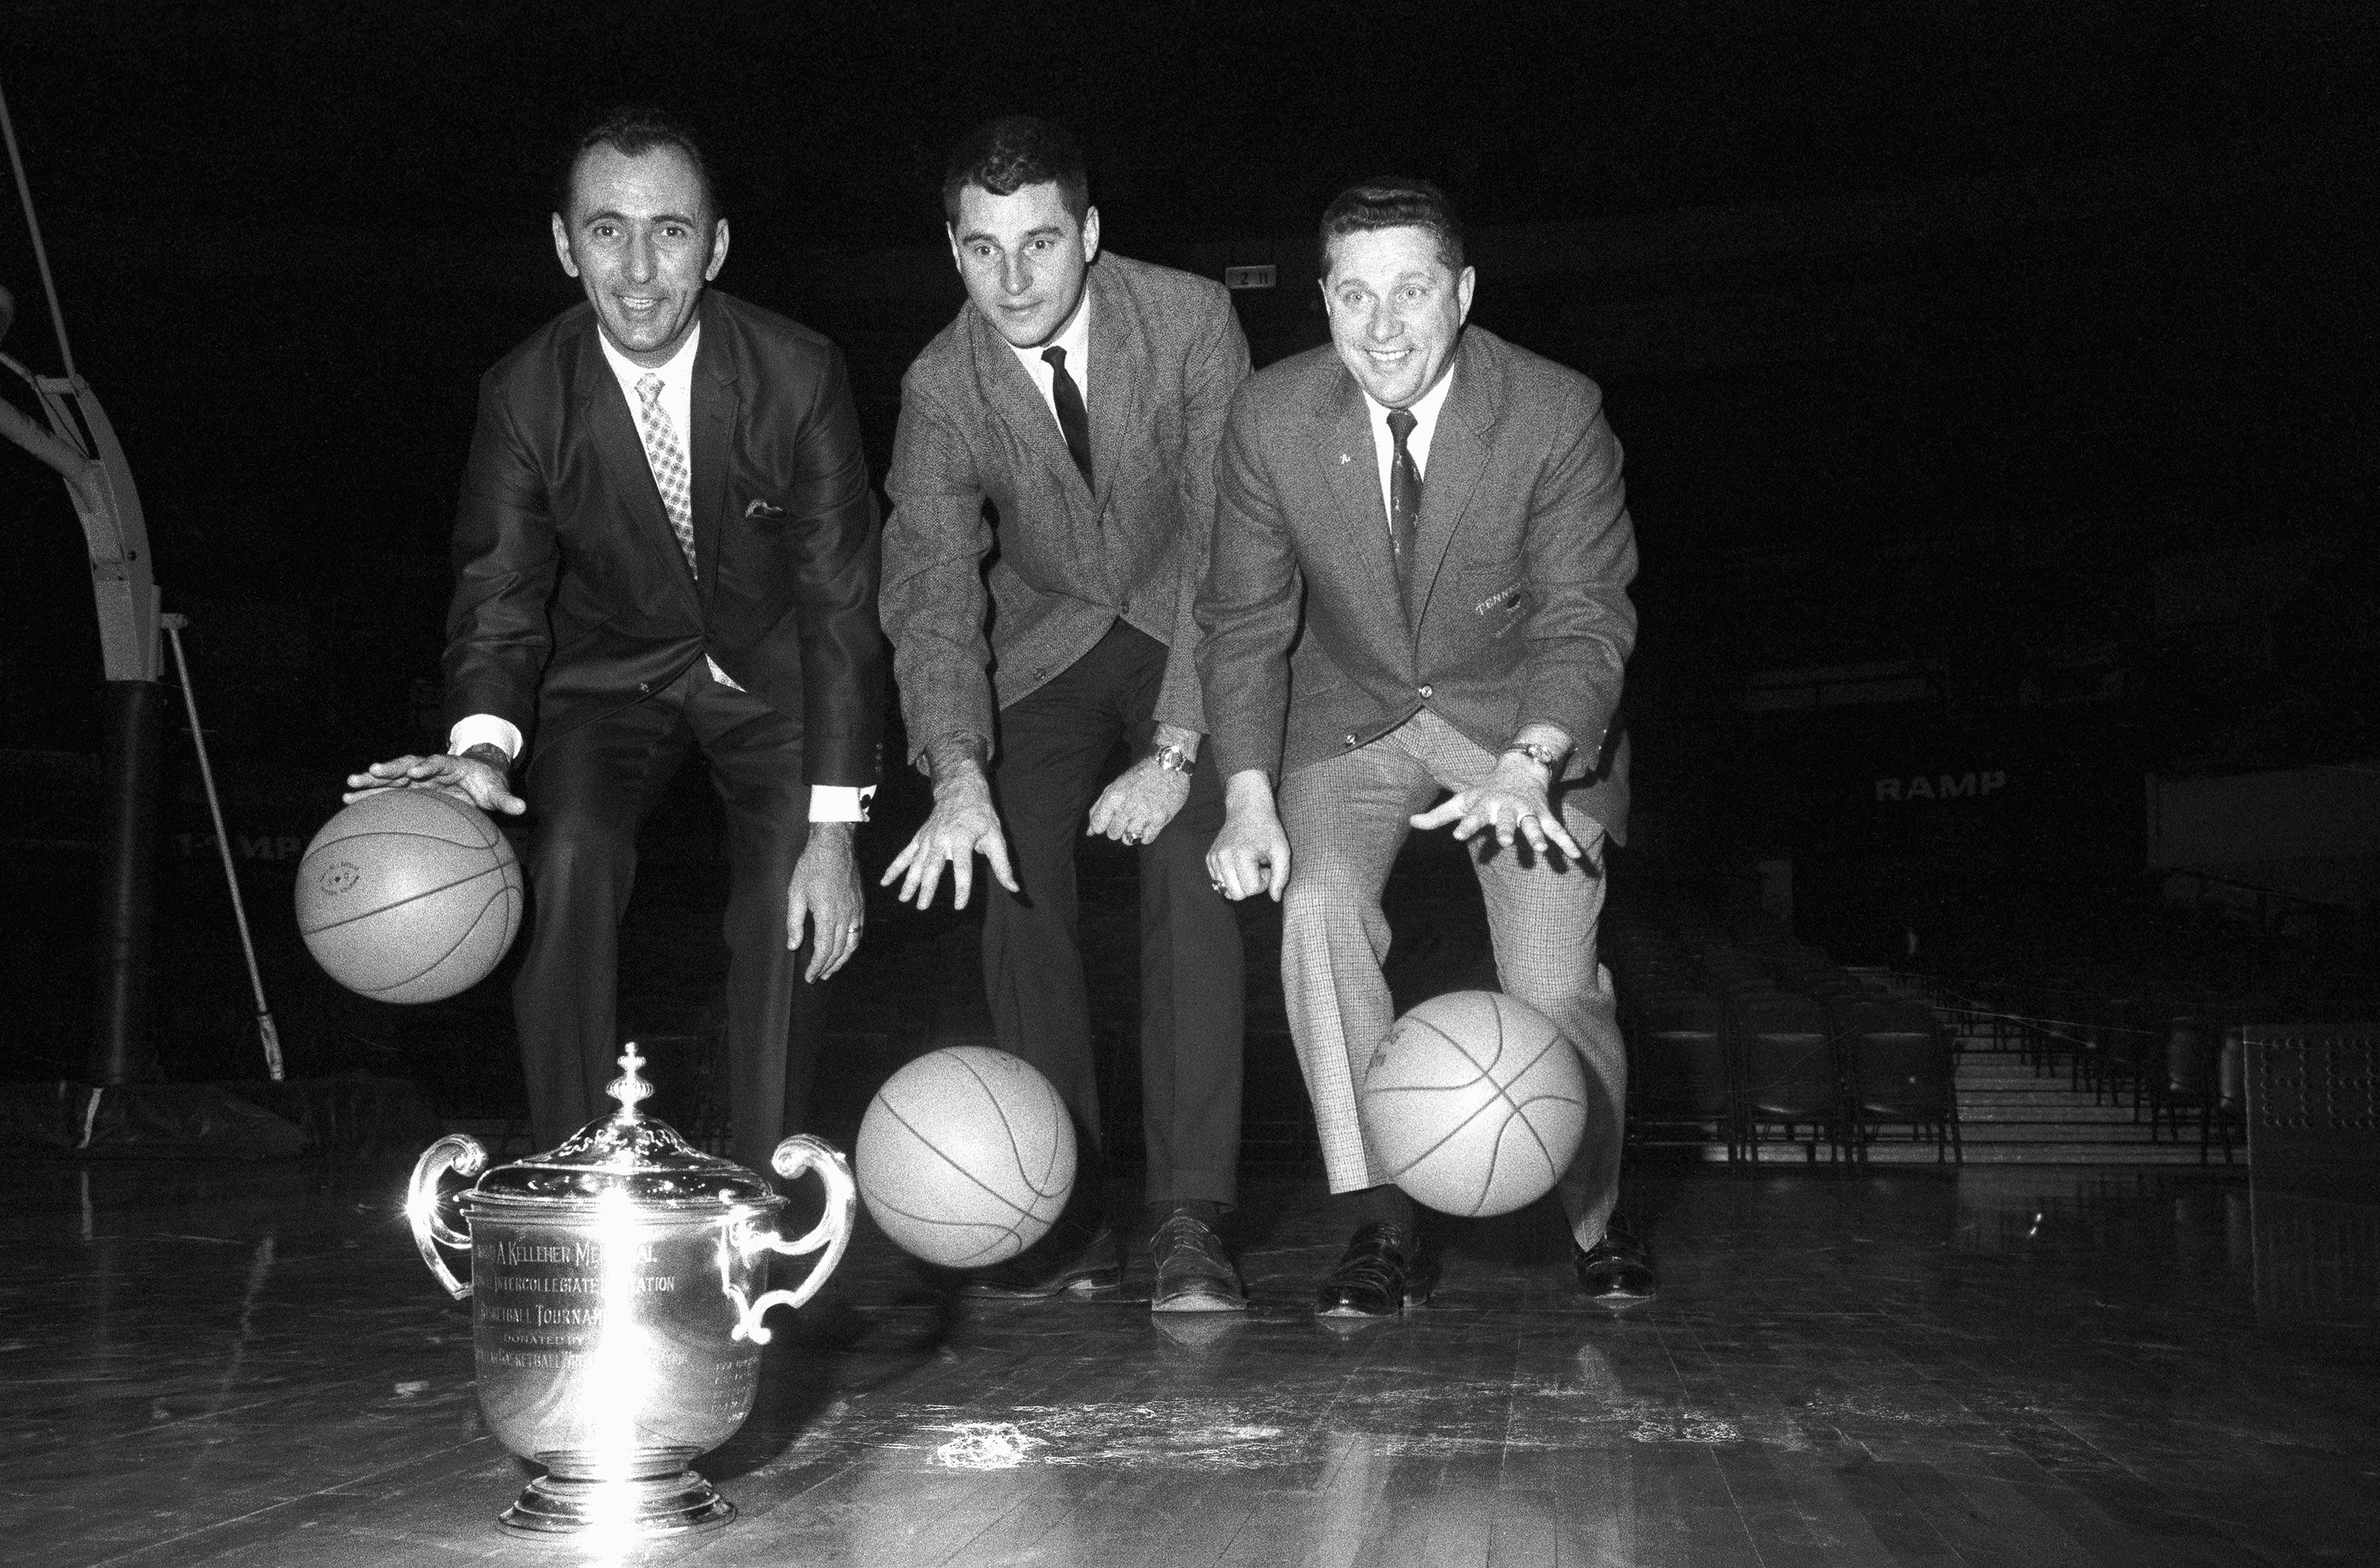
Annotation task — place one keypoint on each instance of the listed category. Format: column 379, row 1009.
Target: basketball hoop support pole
column 174, row 624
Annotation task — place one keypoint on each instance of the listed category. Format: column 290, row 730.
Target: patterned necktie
column 1071, row 417
column 1404, row 494
column 668, row 460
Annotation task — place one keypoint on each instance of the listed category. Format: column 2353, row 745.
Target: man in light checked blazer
column 1418, row 589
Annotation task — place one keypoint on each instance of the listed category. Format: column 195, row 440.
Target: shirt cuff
column 484, row 729
column 841, row 803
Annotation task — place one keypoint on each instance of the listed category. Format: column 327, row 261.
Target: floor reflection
column 1987, row 1365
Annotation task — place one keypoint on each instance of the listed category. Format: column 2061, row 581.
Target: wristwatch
column 1545, row 756
column 1174, row 758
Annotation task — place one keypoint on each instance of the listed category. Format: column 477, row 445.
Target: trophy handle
column 832, row 1232
column 459, row 1152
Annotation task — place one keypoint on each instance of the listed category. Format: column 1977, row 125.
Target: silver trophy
column 614, row 1310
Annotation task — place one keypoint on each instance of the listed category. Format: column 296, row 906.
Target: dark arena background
column 1996, row 386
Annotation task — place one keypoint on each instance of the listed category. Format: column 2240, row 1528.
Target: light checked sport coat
column 1518, row 612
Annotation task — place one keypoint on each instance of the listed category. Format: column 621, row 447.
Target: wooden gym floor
column 1996, row 1366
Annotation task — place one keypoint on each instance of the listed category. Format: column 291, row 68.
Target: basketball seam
column 1488, row 1069
column 894, row 1112
column 877, row 1201
column 1503, row 1092
column 410, row 899
column 1016, row 1154
column 452, row 949
column 880, row 1207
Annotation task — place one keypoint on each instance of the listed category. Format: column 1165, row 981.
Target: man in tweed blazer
column 1419, row 585
column 1052, row 491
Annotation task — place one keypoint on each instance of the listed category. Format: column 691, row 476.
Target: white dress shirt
column 828, row 802
column 1074, row 337
column 1384, row 442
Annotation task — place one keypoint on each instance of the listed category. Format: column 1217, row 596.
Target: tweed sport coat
column 1002, row 568
column 573, row 597
column 1518, row 612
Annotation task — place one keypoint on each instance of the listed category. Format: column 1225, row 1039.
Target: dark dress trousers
column 1013, row 588
column 577, row 618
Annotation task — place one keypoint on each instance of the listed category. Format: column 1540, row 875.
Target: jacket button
column 1351, row 737
column 1425, row 690
column 645, row 686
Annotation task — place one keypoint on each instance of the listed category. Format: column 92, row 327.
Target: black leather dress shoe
column 1617, row 1272
column 1069, row 1260
column 1382, row 1273
column 1193, row 1272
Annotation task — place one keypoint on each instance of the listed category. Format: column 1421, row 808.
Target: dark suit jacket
column 1518, row 612
column 1166, row 354
column 572, row 597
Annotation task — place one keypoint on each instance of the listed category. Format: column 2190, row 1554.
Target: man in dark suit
column 666, row 543
column 1419, row 587
column 1052, row 487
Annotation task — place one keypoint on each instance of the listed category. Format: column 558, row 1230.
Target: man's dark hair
column 1389, row 203
column 1005, row 155
column 633, row 131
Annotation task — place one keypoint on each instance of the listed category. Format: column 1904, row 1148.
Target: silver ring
column 1216, row 886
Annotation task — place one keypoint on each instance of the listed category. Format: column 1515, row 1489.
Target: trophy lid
column 631, row 1154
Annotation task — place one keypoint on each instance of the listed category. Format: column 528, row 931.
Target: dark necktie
column 1071, row 417
column 1404, row 494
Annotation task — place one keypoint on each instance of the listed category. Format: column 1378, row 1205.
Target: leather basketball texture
column 965, row 1157
column 409, row 896
column 1474, row 1103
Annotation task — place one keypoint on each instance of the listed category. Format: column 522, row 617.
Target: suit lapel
column 1008, row 388
column 1350, row 467
column 1458, row 456
column 1119, row 385
column 620, row 450
column 712, row 412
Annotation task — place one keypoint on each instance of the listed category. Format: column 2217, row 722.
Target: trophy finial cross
column 629, row 1088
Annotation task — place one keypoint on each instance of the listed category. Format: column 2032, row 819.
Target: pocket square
column 762, row 508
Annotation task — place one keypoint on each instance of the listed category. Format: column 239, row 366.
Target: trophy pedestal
column 556, row 1505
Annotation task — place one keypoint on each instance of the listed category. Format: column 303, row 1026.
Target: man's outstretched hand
column 1512, row 801
column 963, row 822
column 465, row 778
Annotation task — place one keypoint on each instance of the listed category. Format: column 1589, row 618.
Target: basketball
column 408, row 896
column 966, row 1156
column 1475, row 1104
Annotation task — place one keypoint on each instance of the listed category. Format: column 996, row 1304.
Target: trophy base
column 554, row 1506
